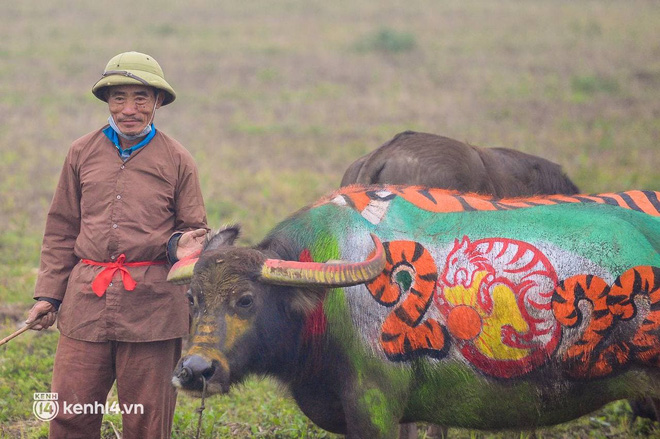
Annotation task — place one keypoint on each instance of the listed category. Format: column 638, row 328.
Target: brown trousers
column 84, row 373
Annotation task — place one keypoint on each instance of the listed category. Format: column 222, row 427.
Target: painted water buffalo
column 465, row 310
column 412, row 158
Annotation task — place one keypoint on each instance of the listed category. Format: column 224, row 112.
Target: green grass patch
column 386, row 40
column 25, row 368
column 587, row 86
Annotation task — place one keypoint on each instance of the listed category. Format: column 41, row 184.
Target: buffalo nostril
column 194, row 368
column 185, row 375
column 208, row 373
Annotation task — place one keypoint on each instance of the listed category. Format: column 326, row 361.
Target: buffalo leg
column 437, row 432
column 408, row 431
column 656, row 408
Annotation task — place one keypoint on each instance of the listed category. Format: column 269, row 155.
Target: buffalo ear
column 223, row 237
column 306, row 300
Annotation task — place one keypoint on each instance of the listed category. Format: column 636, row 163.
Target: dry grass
column 276, row 98
column 269, row 88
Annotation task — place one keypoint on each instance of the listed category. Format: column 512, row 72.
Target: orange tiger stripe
column 404, row 331
column 360, row 200
column 609, row 359
column 570, row 291
column 616, row 197
column 621, row 294
column 525, row 202
column 646, row 346
column 381, row 287
column 598, row 199
column 559, row 198
column 516, row 204
column 597, row 352
column 646, row 341
column 426, row 199
column 445, row 201
column 477, row 203
column 642, row 200
column 429, row 338
column 582, row 355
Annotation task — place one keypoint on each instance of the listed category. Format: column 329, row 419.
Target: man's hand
column 190, row 243
column 43, row 311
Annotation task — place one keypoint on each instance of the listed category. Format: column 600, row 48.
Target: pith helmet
column 133, row 68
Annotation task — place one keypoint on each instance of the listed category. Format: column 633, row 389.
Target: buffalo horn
column 339, row 274
column 182, row 271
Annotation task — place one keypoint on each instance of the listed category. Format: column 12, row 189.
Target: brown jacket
column 104, row 207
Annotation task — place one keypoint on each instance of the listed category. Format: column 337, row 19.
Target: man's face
column 132, row 107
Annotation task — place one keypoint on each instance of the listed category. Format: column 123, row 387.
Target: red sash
column 103, row 279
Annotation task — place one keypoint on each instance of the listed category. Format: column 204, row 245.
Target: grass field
column 276, row 98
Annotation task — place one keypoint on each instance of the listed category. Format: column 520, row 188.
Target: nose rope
column 201, row 408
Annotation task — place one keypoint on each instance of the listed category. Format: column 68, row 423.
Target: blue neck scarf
column 112, row 134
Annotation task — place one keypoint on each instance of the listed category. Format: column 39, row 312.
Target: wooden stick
column 19, row 332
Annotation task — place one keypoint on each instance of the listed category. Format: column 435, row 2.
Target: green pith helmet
column 133, row 68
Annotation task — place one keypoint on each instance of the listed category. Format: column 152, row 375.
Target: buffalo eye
column 245, row 301
column 193, row 301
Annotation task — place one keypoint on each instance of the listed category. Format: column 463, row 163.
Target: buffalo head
column 247, row 306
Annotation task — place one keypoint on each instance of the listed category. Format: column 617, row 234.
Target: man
column 128, row 199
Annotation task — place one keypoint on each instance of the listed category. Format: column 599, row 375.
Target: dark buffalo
column 643, row 408
column 422, row 159
column 466, row 311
